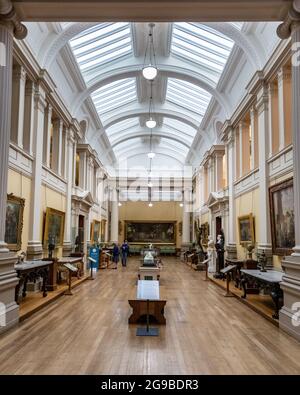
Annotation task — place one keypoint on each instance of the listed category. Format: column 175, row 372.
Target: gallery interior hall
column 149, row 187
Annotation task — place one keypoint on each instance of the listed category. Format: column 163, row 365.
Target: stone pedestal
column 67, row 249
column 231, row 251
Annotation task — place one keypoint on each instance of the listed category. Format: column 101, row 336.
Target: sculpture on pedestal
column 211, row 255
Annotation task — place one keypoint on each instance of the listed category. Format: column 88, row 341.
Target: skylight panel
column 99, row 45
column 114, row 95
column 188, row 96
column 202, row 45
column 122, row 126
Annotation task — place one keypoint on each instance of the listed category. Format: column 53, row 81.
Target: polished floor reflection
column 88, row 333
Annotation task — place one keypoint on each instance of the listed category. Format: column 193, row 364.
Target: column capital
column 262, row 99
column 39, row 99
column 284, row 73
column 19, row 72
column 272, row 87
column 10, row 19
column 291, row 22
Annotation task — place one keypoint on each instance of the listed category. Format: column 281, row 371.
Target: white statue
column 150, row 246
column 211, row 255
column 149, row 257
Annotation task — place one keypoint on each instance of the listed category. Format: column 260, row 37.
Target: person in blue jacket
column 124, row 252
column 116, row 254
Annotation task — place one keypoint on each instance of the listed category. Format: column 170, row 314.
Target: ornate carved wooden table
column 270, row 280
column 30, row 271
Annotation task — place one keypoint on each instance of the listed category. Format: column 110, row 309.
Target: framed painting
column 246, row 229
column 95, row 231
column 282, row 217
column 14, row 222
column 54, row 227
column 162, row 232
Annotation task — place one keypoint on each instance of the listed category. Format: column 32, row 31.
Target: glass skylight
column 188, row 96
column 100, row 44
column 114, row 95
column 202, row 45
column 119, row 128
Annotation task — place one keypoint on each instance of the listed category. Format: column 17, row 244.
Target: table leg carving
column 276, row 295
column 244, row 286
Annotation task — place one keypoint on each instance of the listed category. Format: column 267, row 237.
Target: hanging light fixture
column 149, row 70
column 151, row 154
column 150, row 184
column 151, row 123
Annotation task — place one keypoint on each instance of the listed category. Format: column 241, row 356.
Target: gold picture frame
column 246, row 229
column 54, row 227
column 155, row 232
column 14, row 222
column 95, row 231
column 282, row 217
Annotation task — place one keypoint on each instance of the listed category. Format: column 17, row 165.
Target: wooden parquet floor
column 88, row 333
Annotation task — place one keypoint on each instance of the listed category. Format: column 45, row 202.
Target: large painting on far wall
column 54, row 227
column 246, row 229
column 150, row 232
column 14, row 222
column 282, row 217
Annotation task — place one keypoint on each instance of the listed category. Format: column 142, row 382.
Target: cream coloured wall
column 20, row 186
column 140, row 211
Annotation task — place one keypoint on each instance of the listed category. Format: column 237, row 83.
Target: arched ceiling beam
column 172, row 71
column 138, row 150
column 166, row 114
column 241, row 40
column 134, row 135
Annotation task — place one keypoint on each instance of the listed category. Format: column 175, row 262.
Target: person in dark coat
column 124, row 252
column 116, row 254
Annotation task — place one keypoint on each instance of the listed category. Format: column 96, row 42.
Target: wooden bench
column 147, row 290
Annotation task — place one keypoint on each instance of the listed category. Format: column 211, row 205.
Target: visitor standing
column 116, row 254
column 125, row 252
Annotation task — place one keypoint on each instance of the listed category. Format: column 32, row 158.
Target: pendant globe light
column 150, row 184
column 151, row 122
column 151, row 154
column 149, row 70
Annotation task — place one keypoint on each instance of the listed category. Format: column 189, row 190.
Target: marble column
column 114, row 232
column 57, row 146
column 82, row 170
column 29, row 117
column 219, row 180
column 8, row 276
column 69, row 150
column 231, row 242
column 253, row 135
column 18, row 104
column 273, row 118
column 47, row 136
column 264, row 231
column 289, row 314
column 35, row 248
column 284, row 110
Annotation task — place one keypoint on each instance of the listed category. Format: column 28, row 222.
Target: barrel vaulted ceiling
column 190, row 58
